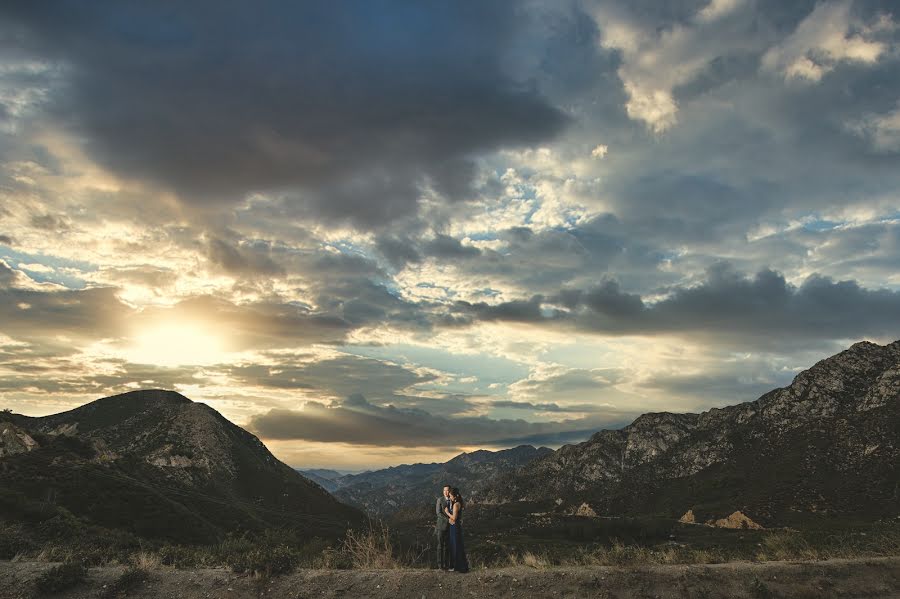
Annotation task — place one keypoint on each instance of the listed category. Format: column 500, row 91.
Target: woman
column 458, row 560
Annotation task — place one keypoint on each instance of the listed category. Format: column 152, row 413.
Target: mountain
column 325, row 478
column 413, row 487
column 159, row 465
column 826, row 446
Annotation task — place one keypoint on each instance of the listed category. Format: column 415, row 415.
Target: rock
column 14, row 440
column 585, row 510
column 735, row 520
column 688, row 517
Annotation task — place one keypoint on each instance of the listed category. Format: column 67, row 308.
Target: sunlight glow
column 177, row 344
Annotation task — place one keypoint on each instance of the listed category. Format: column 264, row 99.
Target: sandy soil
column 870, row 577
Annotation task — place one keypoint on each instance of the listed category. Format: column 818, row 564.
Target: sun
column 176, row 344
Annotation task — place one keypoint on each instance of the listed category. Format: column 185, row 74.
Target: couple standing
column 451, row 553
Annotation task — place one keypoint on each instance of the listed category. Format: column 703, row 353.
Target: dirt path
column 844, row 578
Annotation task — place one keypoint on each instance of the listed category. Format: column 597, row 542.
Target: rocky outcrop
column 734, row 520
column 14, row 440
column 585, row 510
column 688, row 517
column 838, row 421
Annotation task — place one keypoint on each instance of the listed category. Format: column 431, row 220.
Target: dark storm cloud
column 446, row 247
column 6, row 240
column 545, row 407
column 383, row 382
column 767, row 306
column 355, row 420
column 727, row 305
column 360, row 105
column 512, row 311
column 252, row 260
column 397, row 251
column 340, row 376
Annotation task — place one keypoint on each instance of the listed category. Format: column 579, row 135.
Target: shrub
column 63, row 526
column 60, row 578
column 14, row 541
column 370, row 549
column 265, row 561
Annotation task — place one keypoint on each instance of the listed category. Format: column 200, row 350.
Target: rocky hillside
column 158, row 465
column 413, row 487
column 827, row 445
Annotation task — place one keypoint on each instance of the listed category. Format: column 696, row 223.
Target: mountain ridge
column 413, row 487
column 825, row 411
column 156, row 457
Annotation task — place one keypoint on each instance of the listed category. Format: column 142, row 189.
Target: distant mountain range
column 158, row 465
column 327, row 479
column 413, row 487
column 826, row 446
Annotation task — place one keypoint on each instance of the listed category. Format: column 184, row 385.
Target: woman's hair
column 455, row 492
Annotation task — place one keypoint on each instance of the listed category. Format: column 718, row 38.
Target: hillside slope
column 158, row 465
column 827, row 445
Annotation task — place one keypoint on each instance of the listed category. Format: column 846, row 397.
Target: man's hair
column 447, row 486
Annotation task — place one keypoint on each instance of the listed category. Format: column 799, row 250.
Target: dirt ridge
column 875, row 577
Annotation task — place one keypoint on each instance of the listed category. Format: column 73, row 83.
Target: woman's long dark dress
column 458, row 560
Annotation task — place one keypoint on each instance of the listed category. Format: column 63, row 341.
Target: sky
column 376, row 232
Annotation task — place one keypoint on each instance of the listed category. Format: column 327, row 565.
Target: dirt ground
column 870, row 577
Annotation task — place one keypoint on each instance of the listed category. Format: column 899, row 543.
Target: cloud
column 829, row 35
column 881, row 130
column 562, row 384
column 544, row 407
column 716, row 9
column 336, row 376
column 252, row 260
column 659, row 55
column 31, row 311
column 738, row 310
column 356, row 421
column 352, row 112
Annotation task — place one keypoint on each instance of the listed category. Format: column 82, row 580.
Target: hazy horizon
column 376, row 234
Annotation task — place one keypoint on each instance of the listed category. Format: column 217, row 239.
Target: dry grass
column 530, row 560
column 51, row 552
column 371, row 549
column 145, row 561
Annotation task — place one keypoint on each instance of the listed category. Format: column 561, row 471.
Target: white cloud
column 717, row 9
column 656, row 60
column 882, row 130
column 600, row 151
column 830, row 34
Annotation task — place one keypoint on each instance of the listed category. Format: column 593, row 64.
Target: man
column 442, row 529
